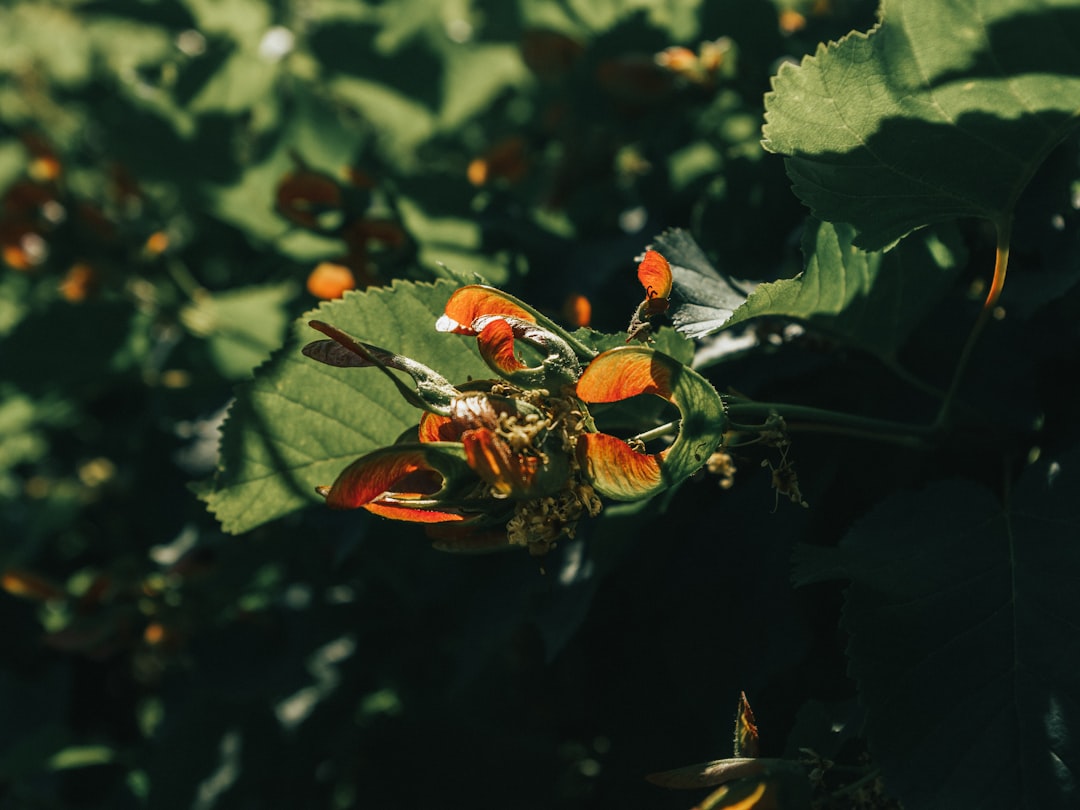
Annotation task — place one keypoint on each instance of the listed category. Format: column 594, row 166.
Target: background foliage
column 172, row 173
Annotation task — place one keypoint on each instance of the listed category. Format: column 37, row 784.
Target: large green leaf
column 867, row 299
column 299, row 423
column 963, row 616
column 944, row 110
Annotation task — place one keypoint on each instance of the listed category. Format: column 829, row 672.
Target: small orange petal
column 654, row 273
column 496, row 344
column 471, row 302
column 577, row 310
column 507, row 472
column 627, row 371
column 437, row 428
column 617, row 470
column 384, row 483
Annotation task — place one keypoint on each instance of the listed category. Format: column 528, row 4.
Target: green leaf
column 299, row 423
column 962, row 614
column 702, row 300
column 943, row 110
column 869, row 300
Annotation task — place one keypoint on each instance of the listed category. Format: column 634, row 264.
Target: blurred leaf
column 942, row 111
column 962, row 616
column 243, row 325
column 869, row 300
column 299, row 423
column 399, row 123
column 317, row 135
column 473, row 76
column 81, row 756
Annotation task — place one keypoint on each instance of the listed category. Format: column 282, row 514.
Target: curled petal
column 616, row 469
column 496, row 343
column 476, row 300
column 624, row 372
column 654, row 273
column 472, row 303
column 401, row 482
column 630, row 370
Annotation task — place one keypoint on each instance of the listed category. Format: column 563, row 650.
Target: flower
column 518, row 460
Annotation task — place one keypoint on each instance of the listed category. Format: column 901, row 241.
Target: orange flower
column 520, row 455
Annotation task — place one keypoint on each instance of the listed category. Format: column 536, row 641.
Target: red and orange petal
column 496, row 344
column 438, row 428
column 615, row 469
column 385, row 482
column 654, row 273
column 80, row 282
column 507, row 472
column 627, row 371
column 474, row 301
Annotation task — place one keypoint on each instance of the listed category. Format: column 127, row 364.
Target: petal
column 399, row 482
column 616, row 470
column 621, row 373
column 435, row 427
column 472, row 302
column 629, row 370
column 654, row 273
column 508, row 473
column 496, row 344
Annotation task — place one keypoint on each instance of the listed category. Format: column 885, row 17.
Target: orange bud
column 577, row 311
column 506, row 159
column 30, row 586
column 80, row 282
column 791, row 21
column 330, row 280
column 157, row 243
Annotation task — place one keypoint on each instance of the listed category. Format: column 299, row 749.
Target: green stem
column 1001, row 265
column 804, row 418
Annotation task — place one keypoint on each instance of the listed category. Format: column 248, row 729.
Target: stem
column 801, row 417
column 1001, row 265
column 657, row 432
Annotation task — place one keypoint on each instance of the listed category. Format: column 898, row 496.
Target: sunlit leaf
column 869, row 300
column 943, row 110
column 962, row 614
column 301, row 423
